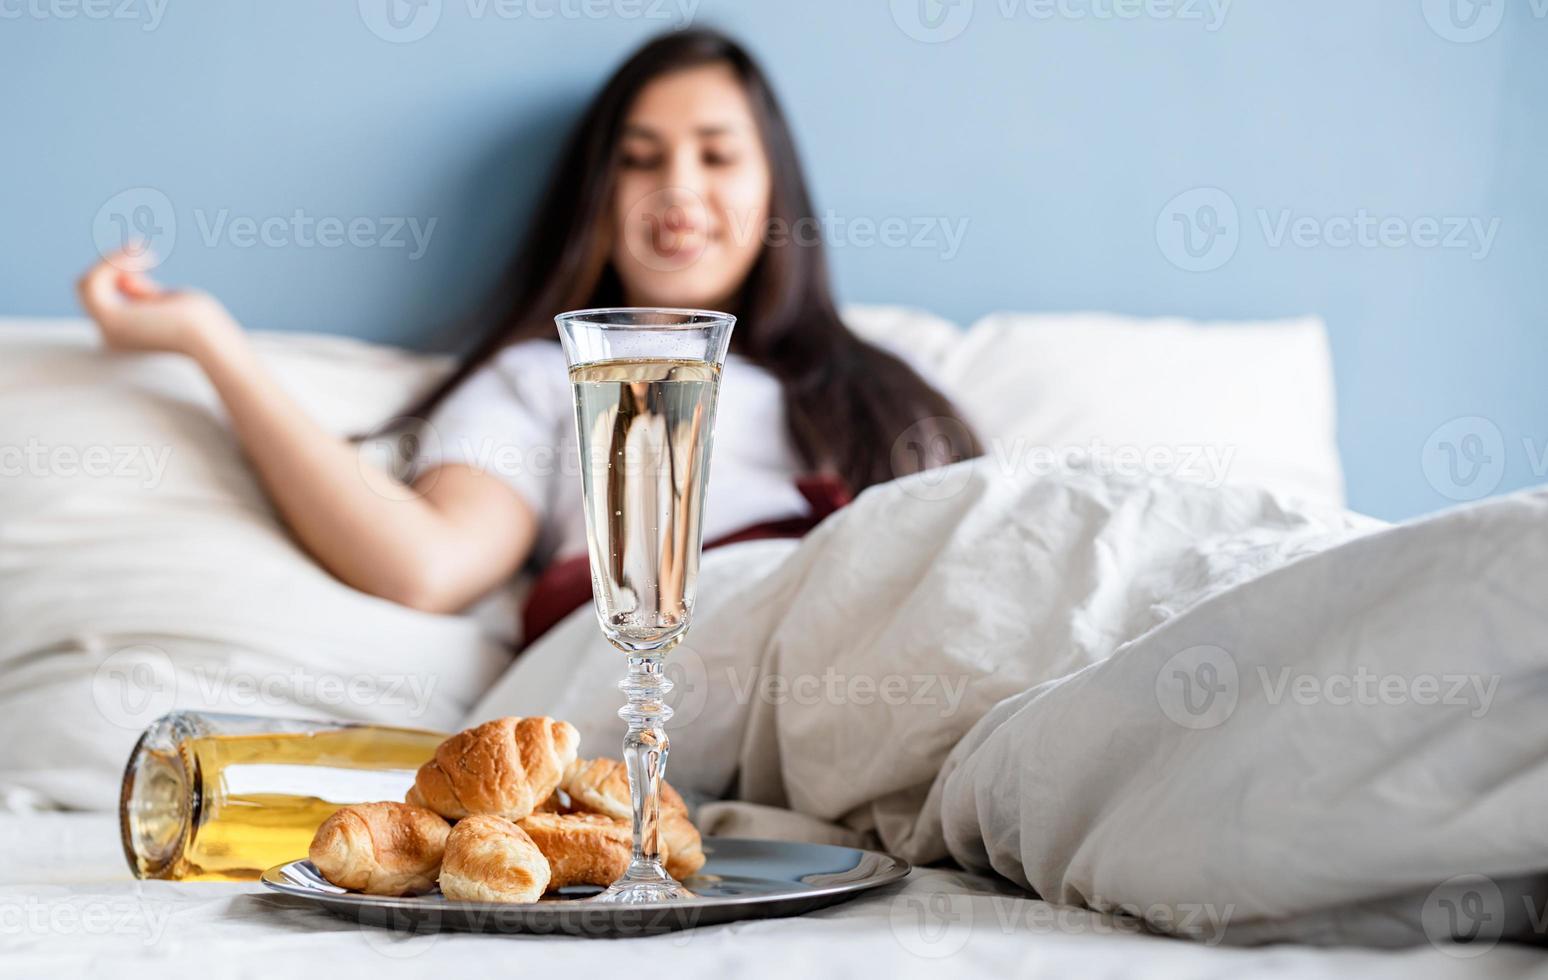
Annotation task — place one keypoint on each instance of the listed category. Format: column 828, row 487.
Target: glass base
column 643, row 884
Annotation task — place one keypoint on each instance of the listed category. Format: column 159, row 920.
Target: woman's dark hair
column 853, row 410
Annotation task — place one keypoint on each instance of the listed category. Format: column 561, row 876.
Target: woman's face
column 693, row 191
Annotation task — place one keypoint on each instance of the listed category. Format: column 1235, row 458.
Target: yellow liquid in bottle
column 257, row 800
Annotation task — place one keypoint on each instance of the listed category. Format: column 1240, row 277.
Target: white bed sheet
column 68, row 907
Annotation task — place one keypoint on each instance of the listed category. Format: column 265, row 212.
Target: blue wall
column 1062, row 141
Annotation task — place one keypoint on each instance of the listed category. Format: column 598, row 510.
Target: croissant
column 506, row 767
column 582, row 848
column 490, row 859
column 602, row 786
column 381, row 848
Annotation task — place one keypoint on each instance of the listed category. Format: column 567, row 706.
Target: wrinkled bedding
column 68, row 908
column 1222, row 710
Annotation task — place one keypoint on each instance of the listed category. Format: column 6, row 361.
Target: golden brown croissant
column 381, row 848
column 683, row 846
column 490, row 859
column 602, row 786
column 505, row 767
column 582, row 848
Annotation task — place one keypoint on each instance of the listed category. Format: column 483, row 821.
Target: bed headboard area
column 365, row 169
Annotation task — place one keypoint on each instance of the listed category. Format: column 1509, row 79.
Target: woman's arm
column 460, row 533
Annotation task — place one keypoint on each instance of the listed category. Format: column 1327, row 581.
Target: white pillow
column 142, row 569
column 1244, row 402
column 923, row 339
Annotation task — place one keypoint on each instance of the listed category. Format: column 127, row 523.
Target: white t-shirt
column 515, row 419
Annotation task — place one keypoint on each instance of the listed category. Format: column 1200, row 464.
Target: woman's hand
column 459, row 534
column 135, row 313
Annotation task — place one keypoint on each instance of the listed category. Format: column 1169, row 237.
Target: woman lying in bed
column 680, row 187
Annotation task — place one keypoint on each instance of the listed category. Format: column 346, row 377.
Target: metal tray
column 742, row 879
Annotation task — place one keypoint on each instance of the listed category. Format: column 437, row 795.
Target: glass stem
column 645, row 754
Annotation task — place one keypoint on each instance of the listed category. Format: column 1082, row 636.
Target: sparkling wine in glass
column 645, row 384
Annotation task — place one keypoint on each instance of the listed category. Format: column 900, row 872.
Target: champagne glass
column 645, row 384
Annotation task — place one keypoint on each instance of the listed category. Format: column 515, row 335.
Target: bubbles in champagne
column 645, row 431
